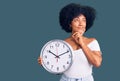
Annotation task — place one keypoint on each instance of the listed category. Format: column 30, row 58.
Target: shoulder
column 89, row 40
column 93, row 44
column 68, row 40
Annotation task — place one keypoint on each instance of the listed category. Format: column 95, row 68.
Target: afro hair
column 72, row 10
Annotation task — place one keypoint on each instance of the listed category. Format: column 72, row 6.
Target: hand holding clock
column 40, row 60
column 51, row 53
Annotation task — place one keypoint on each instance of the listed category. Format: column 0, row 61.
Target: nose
column 80, row 22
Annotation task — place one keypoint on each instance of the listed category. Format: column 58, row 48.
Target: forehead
column 81, row 16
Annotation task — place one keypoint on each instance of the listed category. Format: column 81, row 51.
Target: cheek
column 84, row 28
column 82, row 31
column 84, row 24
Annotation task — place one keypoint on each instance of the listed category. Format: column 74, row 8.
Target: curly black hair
column 72, row 10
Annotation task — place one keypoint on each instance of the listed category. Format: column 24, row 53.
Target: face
column 78, row 24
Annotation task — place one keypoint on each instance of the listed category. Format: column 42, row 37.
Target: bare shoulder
column 89, row 40
column 68, row 40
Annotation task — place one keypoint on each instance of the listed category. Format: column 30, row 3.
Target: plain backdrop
column 26, row 25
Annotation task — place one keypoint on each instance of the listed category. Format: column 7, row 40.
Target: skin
column 78, row 41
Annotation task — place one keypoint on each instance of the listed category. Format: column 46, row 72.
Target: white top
column 80, row 66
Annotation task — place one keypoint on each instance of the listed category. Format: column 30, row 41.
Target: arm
column 94, row 57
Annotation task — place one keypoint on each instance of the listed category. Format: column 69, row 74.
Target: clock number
column 48, row 51
column 47, row 62
column 69, row 56
column 67, row 62
column 45, row 56
column 57, row 68
column 51, row 66
column 57, row 44
column 64, row 66
column 51, row 47
column 63, row 46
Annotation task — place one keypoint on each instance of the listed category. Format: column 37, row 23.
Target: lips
column 81, row 28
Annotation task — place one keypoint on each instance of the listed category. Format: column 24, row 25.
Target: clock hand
column 63, row 53
column 53, row 54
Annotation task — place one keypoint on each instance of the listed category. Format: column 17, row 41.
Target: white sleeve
column 94, row 46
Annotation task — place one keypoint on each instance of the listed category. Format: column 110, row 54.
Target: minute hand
column 63, row 53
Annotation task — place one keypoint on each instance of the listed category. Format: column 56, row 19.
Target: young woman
column 77, row 19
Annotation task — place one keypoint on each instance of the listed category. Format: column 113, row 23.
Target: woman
column 77, row 19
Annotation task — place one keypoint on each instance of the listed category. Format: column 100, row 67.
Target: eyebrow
column 82, row 18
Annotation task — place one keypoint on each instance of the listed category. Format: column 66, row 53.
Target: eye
column 84, row 19
column 75, row 19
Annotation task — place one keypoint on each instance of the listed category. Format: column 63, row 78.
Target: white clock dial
column 56, row 56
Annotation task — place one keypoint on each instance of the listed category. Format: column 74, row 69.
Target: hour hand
column 52, row 53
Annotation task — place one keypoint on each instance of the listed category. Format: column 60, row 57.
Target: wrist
column 82, row 44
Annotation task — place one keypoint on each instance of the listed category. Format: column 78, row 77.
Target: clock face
column 56, row 56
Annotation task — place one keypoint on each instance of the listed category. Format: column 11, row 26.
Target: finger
column 74, row 34
column 39, row 60
column 77, row 36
